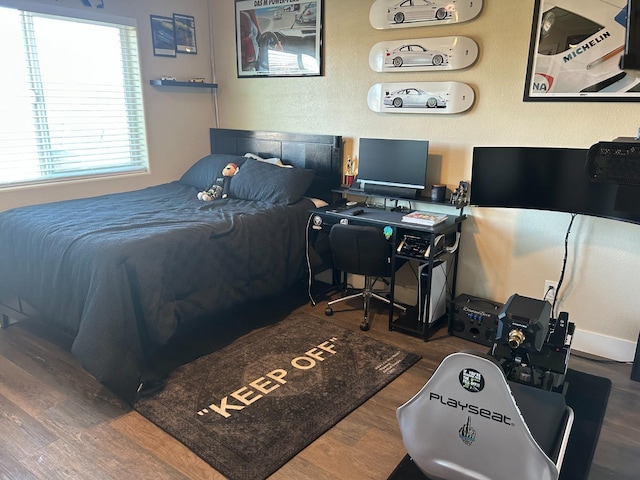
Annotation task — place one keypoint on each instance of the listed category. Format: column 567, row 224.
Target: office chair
column 361, row 250
column 468, row 422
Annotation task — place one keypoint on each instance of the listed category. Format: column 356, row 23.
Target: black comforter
column 123, row 272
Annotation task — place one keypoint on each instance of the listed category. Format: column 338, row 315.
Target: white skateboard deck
column 419, row 13
column 423, row 54
column 420, row 97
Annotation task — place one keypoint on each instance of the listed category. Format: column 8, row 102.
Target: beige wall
column 503, row 251
column 177, row 119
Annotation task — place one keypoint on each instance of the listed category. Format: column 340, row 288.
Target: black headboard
column 322, row 153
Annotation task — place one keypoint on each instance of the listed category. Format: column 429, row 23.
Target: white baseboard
column 603, row 346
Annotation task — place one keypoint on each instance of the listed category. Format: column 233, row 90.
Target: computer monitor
column 542, row 178
column 393, row 167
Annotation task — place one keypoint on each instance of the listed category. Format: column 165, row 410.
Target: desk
column 322, row 219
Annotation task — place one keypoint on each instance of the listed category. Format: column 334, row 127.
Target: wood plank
column 10, row 468
column 21, row 434
column 55, row 367
column 163, row 446
column 100, row 452
column 26, row 390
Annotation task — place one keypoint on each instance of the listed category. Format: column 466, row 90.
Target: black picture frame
column 574, row 53
column 185, row 33
column 290, row 47
column 163, row 36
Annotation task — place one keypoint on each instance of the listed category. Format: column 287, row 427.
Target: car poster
column 575, row 52
column 278, row 37
column 423, row 54
column 420, row 97
column 163, row 36
column 421, row 13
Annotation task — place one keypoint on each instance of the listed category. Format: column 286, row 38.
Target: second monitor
column 391, row 167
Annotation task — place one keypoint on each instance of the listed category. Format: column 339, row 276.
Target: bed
column 123, row 273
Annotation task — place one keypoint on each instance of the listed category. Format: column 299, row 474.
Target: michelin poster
column 575, row 53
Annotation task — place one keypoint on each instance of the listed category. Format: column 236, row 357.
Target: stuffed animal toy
column 220, row 189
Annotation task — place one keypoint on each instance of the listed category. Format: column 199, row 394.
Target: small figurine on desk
column 459, row 196
column 350, row 175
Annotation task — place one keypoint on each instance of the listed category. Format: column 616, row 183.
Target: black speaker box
column 614, row 162
column 474, row 319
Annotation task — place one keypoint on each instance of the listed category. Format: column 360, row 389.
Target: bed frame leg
column 11, row 314
column 635, row 369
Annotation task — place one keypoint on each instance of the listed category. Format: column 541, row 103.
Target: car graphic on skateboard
column 413, row 97
column 408, row 13
column 423, row 54
column 420, row 97
column 414, row 55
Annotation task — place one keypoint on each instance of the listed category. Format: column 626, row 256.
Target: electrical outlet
column 550, row 288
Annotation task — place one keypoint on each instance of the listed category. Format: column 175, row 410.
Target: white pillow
column 272, row 161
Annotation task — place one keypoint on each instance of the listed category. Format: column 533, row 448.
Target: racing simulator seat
column 469, row 422
column 361, row 250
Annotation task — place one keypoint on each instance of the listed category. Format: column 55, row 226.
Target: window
column 70, row 98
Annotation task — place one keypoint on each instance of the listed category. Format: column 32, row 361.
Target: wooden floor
column 56, row 422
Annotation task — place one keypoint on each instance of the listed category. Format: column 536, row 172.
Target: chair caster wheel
column 364, row 326
column 328, row 311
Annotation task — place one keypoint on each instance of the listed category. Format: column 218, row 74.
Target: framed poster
column 185, row 28
column 163, row 36
column 575, row 50
column 278, row 39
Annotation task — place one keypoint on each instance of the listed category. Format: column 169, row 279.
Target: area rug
column 250, row 407
column 587, row 395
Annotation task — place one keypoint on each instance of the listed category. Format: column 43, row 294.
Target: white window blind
column 70, row 98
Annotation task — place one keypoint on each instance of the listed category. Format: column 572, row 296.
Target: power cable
column 564, row 265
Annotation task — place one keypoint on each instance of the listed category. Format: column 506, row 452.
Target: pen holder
column 438, row 193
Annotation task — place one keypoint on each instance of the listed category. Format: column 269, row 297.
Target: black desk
column 322, row 219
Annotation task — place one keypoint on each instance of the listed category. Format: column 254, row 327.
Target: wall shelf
column 174, row 83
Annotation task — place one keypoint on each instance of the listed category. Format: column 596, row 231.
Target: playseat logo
column 472, row 409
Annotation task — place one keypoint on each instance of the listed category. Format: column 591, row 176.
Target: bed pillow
column 273, row 161
column 269, row 183
column 204, row 172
